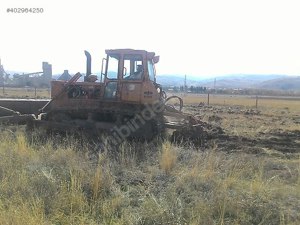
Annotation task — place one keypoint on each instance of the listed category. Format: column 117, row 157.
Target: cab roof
column 149, row 55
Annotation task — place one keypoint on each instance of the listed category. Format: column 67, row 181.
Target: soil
column 280, row 136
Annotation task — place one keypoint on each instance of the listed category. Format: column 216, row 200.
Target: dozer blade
column 7, row 112
column 9, row 116
column 9, row 107
column 17, row 119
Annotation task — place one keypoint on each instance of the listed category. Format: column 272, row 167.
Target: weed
column 168, row 157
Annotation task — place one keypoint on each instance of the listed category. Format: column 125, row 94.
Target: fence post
column 207, row 98
column 256, row 101
column 35, row 92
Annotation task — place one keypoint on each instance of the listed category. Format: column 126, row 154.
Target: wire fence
column 25, row 92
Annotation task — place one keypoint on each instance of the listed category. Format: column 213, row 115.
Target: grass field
column 249, row 176
column 263, row 102
column 162, row 183
column 39, row 93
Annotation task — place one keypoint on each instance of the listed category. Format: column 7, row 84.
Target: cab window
column 151, row 70
column 133, row 67
column 113, row 65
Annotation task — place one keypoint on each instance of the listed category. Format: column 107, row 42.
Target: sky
column 192, row 37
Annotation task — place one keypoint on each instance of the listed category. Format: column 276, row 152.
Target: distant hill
column 178, row 80
column 240, row 81
column 286, row 83
column 226, row 81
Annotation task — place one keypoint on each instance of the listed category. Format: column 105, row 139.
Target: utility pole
column 185, row 86
column 2, row 76
column 215, row 85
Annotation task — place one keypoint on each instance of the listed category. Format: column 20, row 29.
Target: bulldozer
column 124, row 99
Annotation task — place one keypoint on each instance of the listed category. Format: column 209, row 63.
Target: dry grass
column 240, row 100
column 167, row 157
column 69, row 183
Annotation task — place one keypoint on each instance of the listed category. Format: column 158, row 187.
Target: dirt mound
column 197, row 134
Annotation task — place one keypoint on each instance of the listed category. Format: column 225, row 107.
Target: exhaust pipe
column 88, row 65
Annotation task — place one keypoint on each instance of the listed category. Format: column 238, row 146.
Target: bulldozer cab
column 129, row 75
